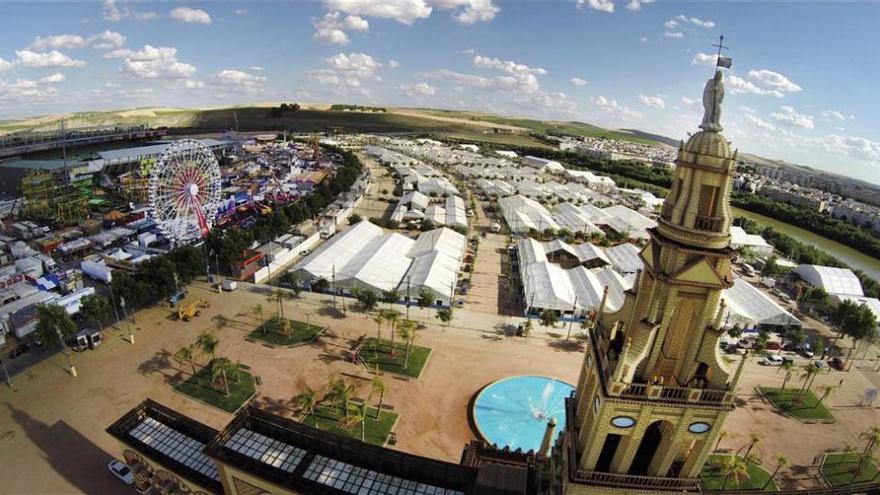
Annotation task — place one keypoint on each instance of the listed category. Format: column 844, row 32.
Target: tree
column 781, row 462
column 872, row 438
column 787, row 367
column 793, row 335
column 808, row 373
column 426, row 297
column 207, row 343
column 340, row 393
column 390, row 296
column 761, row 341
column 392, row 316
column 549, row 318
column 320, row 285
column 96, row 309
column 379, row 319
column 818, row 347
column 358, row 416
column 377, row 386
column 307, row 402
column 735, row 331
column 733, row 468
column 827, row 390
column 754, row 440
column 407, row 333
column 55, row 325
column 258, row 310
column 721, row 436
column 354, row 218
column 218, row 373
column 293, row 280
column 186, row 355
column 234, row 369
column 527, row 327
column 285, row 327
column 444, row 314
column 366, row 297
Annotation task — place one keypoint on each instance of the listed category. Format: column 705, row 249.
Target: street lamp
column 127, row 324
column 6, row 372
column 69, row 356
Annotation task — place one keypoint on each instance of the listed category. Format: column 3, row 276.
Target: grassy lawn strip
column 713, row 479
column 840, row 469
column 805, row 406
column 200, row 387
column 372, row 353
column 326, row 418
column 300, row 332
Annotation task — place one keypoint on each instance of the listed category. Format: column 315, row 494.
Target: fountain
column 514, row 411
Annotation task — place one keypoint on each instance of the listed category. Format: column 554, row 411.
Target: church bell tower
column 654, row 390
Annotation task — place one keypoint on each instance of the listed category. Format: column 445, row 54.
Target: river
column 848, row 255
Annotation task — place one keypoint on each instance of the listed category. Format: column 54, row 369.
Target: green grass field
column 373, row 353
column 200, row 387
column 804, row 406
column 713, row 479
column 840, row 469
column 272, row 334
column 326, row 418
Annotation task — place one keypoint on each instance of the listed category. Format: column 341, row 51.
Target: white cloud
column 43, row 60
column 703, row 23
column 54, row 78
column 152, row 63
column 758, row 122
column 507, row 66
column 671, row 24
column 241, row 12
column 523, row 83
column 790, row 117
column 5, row 65
column 690, row 102
column 403, row 11
column 852, row 146
column 600, row 5
column 193, row 84
column 333, row 26
column 773, row 80
column 655, row 101
column 256, row 68
column 115, row 11
column 419, row 89
column 705, row 59
column 576, row 81
column 738, row 85
column 107, row 40
column 409, row 11
column 643, row 39
column 238, row 79
column 673, row 34
column 614, row 109
column 111, row 84
column 57, row 41
column 835, row 115
column 393, row 64
column 189, row 15
column 637, row 4
column 347, row 70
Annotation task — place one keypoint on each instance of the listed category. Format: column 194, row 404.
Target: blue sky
column 801, row 87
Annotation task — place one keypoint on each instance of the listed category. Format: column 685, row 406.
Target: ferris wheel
column 184, row 191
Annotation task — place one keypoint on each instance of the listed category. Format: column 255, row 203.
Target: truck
column 188, row 311
column 97, row 271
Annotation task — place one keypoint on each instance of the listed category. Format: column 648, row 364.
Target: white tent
column 337, row 251
column 522, row 214
column 629, row 221
column 748, row 306
column 379, row 265
column 625, row 258
column 832, row 280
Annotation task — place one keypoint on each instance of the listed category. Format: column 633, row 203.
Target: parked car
column 787, row 359
column 836, row 363
column 819, row 364
column 121, row 471
column 806, row 350
column 771, row 360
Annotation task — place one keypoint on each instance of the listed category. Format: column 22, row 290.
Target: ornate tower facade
column 653, row 390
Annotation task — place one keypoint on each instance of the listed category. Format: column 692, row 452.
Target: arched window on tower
column 706, row 214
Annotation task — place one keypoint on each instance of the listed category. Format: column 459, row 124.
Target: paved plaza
column 52, row 437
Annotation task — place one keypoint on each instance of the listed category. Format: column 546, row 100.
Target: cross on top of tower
column 720, row 61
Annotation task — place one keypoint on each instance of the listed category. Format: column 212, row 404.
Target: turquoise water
column 514, row 411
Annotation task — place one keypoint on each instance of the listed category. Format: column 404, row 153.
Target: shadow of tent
column 73, row 456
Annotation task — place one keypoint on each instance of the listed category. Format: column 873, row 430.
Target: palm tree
column 341, row 392
column 754, row 440
column 379, row 319
column 358, row 416
column 208, row 343
column 392, row 316
column 307, row 402
column 808, row 371
column 787, row 367
column 721, row 436
column 781, row 462
column 407, row 332
column 377, row 386
column 847, row 450
column 872, row 438
column 734, row 467
column 185, row 355
column 218, row 372
column 234, row 369
column 258, row 310
column 827, row 390
column 285, row 327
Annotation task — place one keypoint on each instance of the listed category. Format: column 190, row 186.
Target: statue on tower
column 713, row 95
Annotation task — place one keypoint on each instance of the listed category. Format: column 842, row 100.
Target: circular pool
column 514, row 411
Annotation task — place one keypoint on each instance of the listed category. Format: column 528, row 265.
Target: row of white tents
column 366, row 257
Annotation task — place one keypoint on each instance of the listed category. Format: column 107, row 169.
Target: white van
column 771, row 360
